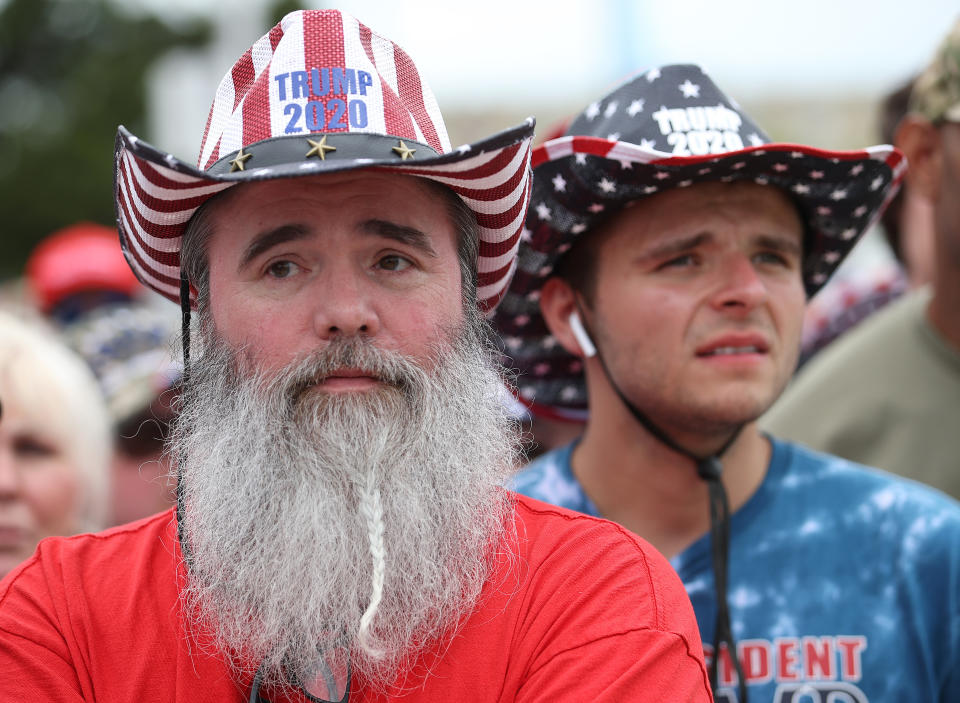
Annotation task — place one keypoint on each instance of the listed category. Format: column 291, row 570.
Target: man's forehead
column 357, row 196
column 706, row 202
column 327, row 185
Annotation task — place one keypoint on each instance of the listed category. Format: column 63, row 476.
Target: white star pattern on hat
column 824, row 210
column 737, row 166
column 593, row 110
column 614, row 136
column 801, row 189
column 689, row 90
column 831, row 257
column 543, row 212
column 626, row 164
column 647, row 190
column 569, row 393
column 838, row 194
column 580, row 159
column 877, row 182
column 848, row 233
column 635, row 108
column 653, row 74
column 464, row 148
column 685, row 184
column 796, row 154
column 816, row 175
column 860, row 211
column 611, row 109
column 780, row 168
column 703, row 171
column 755, row 139
column 856, row 170
column 607, row 186
column 559, row 184
column 647, row 144
column 595, row 208
column 526, row 235
column 578, row 228
column 661, row 175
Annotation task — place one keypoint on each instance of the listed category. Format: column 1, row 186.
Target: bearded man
column 341, row 531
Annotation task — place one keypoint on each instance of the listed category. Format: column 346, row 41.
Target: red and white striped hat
column 319, row 93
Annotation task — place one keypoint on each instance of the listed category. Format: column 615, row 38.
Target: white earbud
column 583, row 339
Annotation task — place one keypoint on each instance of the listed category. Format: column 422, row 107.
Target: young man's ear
column 558, row 303
column 919, row 140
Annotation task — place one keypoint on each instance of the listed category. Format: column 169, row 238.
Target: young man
column 888, row 394
column 341, row 529
column 665, row 292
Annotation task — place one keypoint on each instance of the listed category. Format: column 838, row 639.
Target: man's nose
column 740, row 286
column 344, row 305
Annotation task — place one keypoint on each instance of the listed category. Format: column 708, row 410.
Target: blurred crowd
column 88, row 381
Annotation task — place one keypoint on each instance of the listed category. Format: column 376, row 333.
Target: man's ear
column 558, row 302
column 919, row 140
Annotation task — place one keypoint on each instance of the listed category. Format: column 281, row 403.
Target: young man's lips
column 734, row 345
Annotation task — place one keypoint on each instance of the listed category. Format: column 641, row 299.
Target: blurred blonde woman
column 54, row 442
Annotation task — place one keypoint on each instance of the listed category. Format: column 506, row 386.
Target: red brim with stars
column 581, row 180
column 156, row 194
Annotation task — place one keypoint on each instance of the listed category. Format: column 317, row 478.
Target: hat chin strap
column 710, row 470
column 185, row 334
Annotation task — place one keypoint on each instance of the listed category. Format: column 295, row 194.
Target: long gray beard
column 359, row 526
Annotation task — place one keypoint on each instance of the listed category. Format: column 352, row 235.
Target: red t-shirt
column 589, row 612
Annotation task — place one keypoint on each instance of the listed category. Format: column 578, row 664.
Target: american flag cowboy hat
column 669, row 127
column 320, row 92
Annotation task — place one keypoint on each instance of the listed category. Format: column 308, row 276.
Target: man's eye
column 394, row 262
column 769, row 257
column 281, row 269
column 679, row 261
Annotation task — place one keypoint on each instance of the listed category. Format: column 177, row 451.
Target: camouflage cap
column 936, row 93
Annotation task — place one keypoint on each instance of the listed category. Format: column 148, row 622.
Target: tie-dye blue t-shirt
column 844, row 581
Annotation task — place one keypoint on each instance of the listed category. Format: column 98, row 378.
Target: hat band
column 321, row 146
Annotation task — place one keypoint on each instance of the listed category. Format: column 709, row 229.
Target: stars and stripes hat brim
column 319, row 93
column 669, row 127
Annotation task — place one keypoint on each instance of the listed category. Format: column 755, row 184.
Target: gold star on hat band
column 237, row 162
column 319, row 148
column 403, row 151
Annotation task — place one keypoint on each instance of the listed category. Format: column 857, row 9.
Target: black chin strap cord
column 710, row 470
column 185, row 334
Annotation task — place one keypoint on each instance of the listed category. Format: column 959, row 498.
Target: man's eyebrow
column 674, row 246
column 269, row 239
column 784, row 244
column 404, row 234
